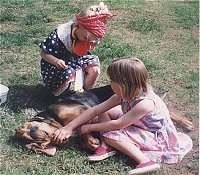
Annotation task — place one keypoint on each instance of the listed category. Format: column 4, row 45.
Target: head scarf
column 94, row 24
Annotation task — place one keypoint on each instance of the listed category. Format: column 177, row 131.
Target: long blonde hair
column 131, row 74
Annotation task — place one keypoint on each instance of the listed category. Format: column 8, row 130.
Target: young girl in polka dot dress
column 68, row 47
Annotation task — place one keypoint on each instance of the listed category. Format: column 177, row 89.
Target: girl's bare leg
column 129, row 149
column 91, row 76
column 111, row 114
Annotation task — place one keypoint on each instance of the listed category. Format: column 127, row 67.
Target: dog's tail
column 178, row 117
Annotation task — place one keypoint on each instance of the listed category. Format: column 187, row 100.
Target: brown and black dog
column 38, row 131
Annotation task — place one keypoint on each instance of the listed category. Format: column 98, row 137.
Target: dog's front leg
column 90, row 142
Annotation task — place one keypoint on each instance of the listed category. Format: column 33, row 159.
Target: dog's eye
column 46, row 133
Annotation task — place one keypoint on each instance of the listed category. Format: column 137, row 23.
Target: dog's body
column 39, row 130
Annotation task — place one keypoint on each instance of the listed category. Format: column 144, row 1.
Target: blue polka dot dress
column 59, row 47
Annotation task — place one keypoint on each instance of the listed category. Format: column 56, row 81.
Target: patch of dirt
column 195, row 31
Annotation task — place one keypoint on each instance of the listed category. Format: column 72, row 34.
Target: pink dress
column 155, row 133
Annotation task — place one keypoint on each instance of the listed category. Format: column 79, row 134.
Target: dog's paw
column 91, row 142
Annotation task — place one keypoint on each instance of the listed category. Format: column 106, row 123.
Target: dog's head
column 38, row 132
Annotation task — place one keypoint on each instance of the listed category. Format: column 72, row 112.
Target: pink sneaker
column 101, row 153
column 145, row 168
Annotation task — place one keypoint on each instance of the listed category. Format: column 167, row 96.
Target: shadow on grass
column 25, row 96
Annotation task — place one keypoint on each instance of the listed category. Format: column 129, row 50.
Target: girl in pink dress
column 134, row 121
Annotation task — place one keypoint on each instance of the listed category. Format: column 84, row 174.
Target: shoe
column 101, row 153
column 145, row 168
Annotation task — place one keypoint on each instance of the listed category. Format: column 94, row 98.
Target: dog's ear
column 23, row 133
column 50, row 151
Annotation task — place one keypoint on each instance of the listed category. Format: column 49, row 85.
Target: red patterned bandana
column 94, row 24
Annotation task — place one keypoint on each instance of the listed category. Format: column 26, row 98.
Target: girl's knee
column 115, row 112
column 92, row 74
column 103, row 117
column 93, row 71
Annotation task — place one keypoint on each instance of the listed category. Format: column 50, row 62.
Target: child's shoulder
column 150, row 94
column 64, row 32
column 145, row 100
column 65, row 25
column 146, row 104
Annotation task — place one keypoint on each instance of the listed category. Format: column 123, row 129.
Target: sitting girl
column 134, row 121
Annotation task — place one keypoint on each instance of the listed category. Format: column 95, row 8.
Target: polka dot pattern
column 53, row 78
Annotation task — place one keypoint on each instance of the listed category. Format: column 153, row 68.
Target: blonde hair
column 131, row 74
column 94, row 10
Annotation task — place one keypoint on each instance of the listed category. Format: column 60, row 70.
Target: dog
column 38, row 131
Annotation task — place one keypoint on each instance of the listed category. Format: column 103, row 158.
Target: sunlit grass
column 144, row 24
column 163, row 34
column 12, row 39
column 187, row 14
column 7, row 15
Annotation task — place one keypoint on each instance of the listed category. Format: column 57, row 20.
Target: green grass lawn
column 165, row 35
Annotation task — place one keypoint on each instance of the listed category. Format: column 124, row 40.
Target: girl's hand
column 85, row 129
column 60, row 64
column 62, row 134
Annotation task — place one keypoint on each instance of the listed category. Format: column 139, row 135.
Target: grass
column 7, row 15
column 163, row 34
column 36, row 17
column 144, row 24
column 112, row 48
column 186, row 15
column 13, row 39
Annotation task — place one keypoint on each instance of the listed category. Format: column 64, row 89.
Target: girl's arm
column 66, row 131
column 142, row 108
column 94, row 111
column 60, row 64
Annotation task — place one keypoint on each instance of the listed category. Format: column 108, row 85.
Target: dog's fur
column 39, row 130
